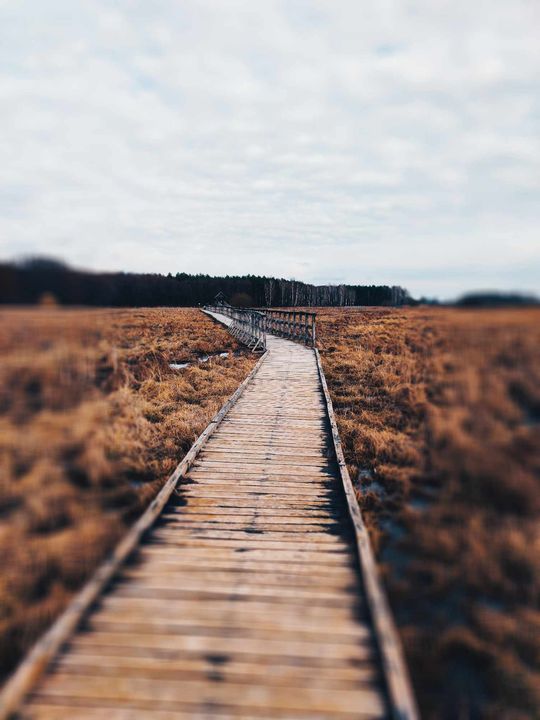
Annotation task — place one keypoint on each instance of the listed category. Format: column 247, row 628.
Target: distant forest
column 43, row 280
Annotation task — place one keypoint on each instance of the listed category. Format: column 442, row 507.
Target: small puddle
column 392, row 528
column 420, row 503
column 200, row 359
column 367, row 483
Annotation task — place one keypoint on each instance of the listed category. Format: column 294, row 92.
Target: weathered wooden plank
column 246, row 607
column 239, row 564
column 315, row 536
column 258, row 653
column 256, row 549
column 209, row 510
column 190, row 588
column 252, row 439
column 277, row 621
column 250, row 466
column 294, row 426
column 162, row 691
column 315, row 481
column 258, row 486
column 174, row 578
column 266, row 451
column 268, row 522
column 235, row 672
column 203, row 500
column 120, row 624
column 312, row 536
column 265, row 457
column 179, row 645
column 59, row 708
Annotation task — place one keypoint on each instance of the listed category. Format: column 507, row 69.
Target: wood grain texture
column 245, row 599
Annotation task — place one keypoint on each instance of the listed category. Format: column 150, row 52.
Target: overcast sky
column 361, row 141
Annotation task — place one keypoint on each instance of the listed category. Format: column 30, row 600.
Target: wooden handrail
column 250, row 325
column 292, row 324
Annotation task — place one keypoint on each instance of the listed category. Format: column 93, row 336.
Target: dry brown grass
column 92, row 421
column 439, row 413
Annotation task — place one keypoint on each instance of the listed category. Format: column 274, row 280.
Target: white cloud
column 331, row 140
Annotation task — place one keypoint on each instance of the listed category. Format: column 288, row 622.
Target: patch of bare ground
column 92, row 421
column 439, row 414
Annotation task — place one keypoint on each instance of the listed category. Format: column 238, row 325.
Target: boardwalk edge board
column 48, row 646
column 401, row 696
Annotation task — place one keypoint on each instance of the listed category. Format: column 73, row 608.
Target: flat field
column 439, row 415
column 92, row 421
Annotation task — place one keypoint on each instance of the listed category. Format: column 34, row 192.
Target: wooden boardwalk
column 245, row 600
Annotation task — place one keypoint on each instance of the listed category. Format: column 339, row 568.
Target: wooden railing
column 292, row 324
column 248, row 326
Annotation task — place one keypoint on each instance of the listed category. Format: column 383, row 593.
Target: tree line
column 38, row 280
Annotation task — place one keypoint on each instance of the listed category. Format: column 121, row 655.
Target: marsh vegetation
column 439, row 415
